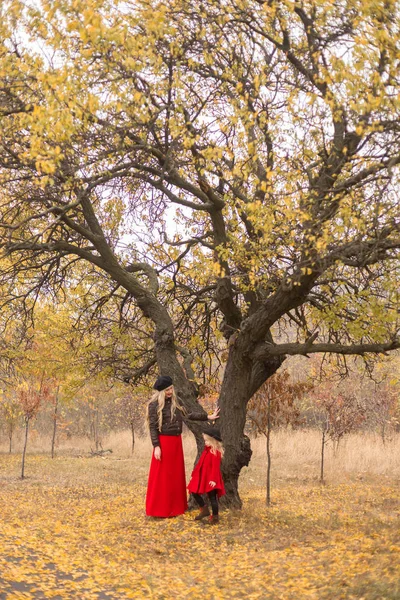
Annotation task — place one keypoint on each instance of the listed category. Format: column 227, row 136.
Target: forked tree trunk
column 245, row 371
column 27, row 419
column 243, row 376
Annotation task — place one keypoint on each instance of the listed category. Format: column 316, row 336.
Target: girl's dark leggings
column 213, row 498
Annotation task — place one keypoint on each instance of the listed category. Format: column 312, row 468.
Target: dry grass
column 295, row 454
column 75, row 529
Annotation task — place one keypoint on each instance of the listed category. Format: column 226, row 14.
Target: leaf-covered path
column 91, row 540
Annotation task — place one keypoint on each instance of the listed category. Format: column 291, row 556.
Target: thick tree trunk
column 233, row 402
column 241, row 380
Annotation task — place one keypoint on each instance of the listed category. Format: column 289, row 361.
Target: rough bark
column 241, row 380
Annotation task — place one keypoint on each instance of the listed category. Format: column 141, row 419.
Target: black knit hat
column 213, row 432
column 162, row 383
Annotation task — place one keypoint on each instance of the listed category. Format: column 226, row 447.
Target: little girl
column 206, row 477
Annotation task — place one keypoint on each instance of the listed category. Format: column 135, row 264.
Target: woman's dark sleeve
column 196, row 416
column 153, row 424
column 193, row 415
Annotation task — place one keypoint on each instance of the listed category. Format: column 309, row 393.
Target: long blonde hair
column 215, row 445
column 160, row 398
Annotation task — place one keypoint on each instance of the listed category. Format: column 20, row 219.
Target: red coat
column 207, row 469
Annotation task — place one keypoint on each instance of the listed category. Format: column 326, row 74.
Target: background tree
column 10, row 414
column 55, row 402
column 130, row 411
column 30, row 393
column 381, row 399
column 337, row 413
column 226, row 170
column 274, row 405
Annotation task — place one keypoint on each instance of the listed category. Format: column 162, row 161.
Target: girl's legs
column 199, row 499
column 213, row 497
column 204, row 512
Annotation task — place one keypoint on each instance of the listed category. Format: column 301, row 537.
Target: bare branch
column 304, row 349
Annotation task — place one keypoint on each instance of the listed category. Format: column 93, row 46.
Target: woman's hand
column 157, row 453
column 215, row 415
column 212, row 483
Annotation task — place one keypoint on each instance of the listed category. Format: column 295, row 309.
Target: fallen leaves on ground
column 92, row 540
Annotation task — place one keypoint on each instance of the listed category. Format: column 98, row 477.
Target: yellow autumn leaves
column 79, row 530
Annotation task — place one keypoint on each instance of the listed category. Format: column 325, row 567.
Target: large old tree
column 227, row 170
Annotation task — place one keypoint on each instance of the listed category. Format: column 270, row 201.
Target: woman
column 166, row 489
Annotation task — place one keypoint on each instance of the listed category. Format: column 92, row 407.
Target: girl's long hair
column 215, row 445
column 160, row 398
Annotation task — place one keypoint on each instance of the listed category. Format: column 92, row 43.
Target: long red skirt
column 166, row 488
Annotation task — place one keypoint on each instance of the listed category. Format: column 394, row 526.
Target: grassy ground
column 76, row 528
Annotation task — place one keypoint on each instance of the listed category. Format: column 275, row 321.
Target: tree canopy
column 218, row 173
